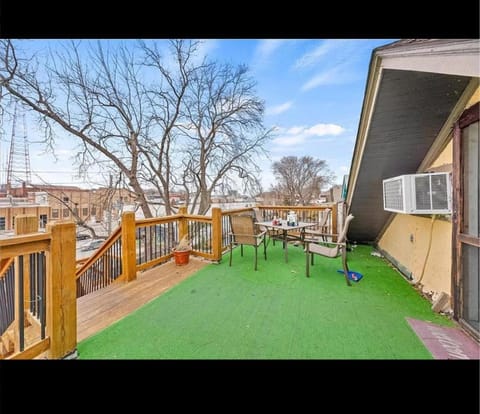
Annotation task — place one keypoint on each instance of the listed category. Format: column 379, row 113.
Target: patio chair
column 271, row 233
column 244, row 231
column 322, row 226
column 330, row 250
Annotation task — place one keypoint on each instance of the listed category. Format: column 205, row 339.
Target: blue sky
column 313, row 90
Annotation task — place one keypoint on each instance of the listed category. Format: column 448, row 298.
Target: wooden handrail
column 195, row 217
column 158, row 220
column 319, row 207
column 236, row 211
column 28, row 238
column 27, row 244
column 105, row 246
column 4, row 265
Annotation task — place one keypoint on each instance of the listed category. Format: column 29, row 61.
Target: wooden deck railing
column 309, row 214
column 39, row 284
column 154, row 240
column 146, row 243
column 102, row 268
column 42, row 300
column 141, row 244
column 7, row 294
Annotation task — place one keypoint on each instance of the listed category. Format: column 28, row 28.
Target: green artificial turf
column 276, row 312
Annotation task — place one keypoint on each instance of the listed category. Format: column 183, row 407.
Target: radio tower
column 18, row 167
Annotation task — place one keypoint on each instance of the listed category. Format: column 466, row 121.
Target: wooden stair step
column 7, row 344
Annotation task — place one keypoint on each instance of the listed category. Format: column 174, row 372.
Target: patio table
column 285, row 229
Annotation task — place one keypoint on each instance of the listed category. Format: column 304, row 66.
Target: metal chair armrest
column 248, row 235
column 308, row 241
column 319, row 233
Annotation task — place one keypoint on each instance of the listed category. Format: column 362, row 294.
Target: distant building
column 64, row 202
column 271, row 198
column 10, row 207
column 333, row 195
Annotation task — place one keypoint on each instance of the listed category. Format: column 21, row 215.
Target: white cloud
column 297, row 135
column 289, row 140
column 278, row 109
column 332, row 51
column 316, row 54
column 327, row 77
column 337, row 75
column 296, row 130
column 267, row 47
column 344, row 169
column 335, row 61
column 324, row 129
column 265, row 51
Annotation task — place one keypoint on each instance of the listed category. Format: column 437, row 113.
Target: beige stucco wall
column 446, row 157
column 408, row 236
column 407, row 239
column 474, row 99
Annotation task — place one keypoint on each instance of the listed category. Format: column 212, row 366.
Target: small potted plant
column 181, row 252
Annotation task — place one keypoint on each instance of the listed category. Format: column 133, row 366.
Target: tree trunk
column 141, row 198
column 205, row 202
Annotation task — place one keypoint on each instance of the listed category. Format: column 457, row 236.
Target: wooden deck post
column 334, row 221
column 129, row 257
column 182, row 223
column 217, row 233
column 61, row 290
column 24, row 224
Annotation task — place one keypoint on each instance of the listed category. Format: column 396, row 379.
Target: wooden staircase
column 31, row 336
column 7, row 343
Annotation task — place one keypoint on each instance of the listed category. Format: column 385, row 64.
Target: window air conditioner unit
column 428, row 193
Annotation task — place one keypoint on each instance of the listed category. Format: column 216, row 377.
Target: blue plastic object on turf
column 353, row 276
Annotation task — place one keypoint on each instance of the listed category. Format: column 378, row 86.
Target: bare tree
column 224, row 133
column 159, row 121
column 166, row 98
column 98, row 99
column 300, row 179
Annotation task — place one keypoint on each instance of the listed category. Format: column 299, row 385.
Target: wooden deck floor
column 100, row 309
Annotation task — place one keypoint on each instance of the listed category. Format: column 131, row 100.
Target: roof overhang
column 415, row 91
column 448, row 57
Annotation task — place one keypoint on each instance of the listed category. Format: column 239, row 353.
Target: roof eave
column 368, row 105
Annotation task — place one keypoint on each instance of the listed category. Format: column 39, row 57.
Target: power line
column 60, row 171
